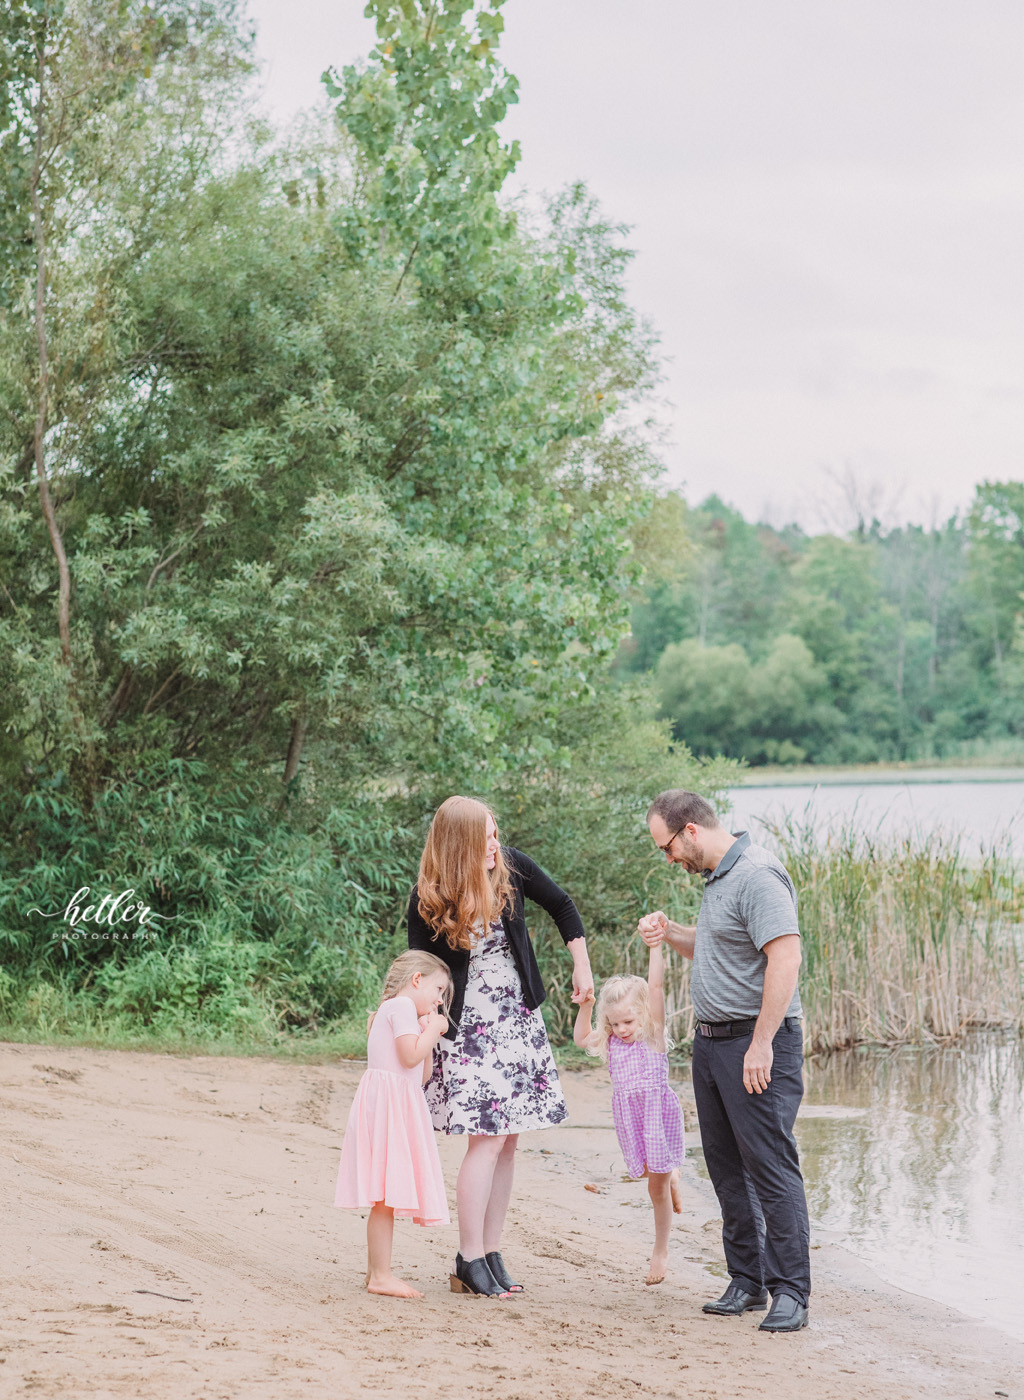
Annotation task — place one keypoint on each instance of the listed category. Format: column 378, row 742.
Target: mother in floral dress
column 494, row 1075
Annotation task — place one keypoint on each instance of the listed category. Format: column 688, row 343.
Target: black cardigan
column 528, row 882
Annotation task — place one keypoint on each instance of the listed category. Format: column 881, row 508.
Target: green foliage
column 889, row 644
column 343, row 454
column 423, row 116
column 347, row 457
column 723, row 702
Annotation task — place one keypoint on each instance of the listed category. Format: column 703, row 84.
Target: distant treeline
column 888, row 643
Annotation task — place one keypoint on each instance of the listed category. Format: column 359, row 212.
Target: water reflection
column 914, row 1159
column 923, row 1178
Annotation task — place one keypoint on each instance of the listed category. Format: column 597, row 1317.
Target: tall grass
column 916, row 939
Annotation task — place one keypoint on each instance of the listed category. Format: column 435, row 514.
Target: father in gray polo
column 747, row 1052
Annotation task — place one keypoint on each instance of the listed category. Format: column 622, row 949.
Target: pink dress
column 648, row 1118
column 389, row 1154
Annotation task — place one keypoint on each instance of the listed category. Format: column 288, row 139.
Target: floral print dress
column 498, row 1075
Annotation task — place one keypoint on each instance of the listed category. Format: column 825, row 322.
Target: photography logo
column 115, row 916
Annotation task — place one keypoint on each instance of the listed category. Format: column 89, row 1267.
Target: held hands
column 582, row 984
column 757, row 1067
column 583, row 1029
column 652, row 928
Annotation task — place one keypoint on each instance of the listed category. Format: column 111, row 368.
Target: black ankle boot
column 497, row 1267
column 474, row 1276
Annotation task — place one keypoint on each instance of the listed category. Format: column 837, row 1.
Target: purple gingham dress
column 648, row 1118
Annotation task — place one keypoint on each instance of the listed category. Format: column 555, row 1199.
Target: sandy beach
column 168, row 1232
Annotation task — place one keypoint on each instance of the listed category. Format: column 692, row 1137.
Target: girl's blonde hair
column 455, row 889
column 614, row 992
column 400, row 972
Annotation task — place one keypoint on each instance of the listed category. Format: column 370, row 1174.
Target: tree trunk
column 39, row 442
column 291, row 763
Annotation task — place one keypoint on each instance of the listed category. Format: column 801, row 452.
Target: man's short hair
column 677, row 808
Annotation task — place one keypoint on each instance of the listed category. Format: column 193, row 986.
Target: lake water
column 914, row 1161
column 983, row 813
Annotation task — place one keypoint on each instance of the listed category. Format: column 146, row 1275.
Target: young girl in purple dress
column 630, row 1037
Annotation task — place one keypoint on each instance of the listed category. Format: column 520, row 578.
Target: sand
column 168, row 1231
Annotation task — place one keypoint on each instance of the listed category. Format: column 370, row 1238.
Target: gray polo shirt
column 749, row 899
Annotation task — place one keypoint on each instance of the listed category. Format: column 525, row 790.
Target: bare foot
column 675, row 1186
column 656, row 1268
column 392, row 1287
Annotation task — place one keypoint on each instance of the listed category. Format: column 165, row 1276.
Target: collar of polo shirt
column 730, row 858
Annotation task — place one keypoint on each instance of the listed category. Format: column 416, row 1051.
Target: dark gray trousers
column 753, row 1163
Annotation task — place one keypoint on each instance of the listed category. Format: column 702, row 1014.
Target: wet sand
column 130, row 1176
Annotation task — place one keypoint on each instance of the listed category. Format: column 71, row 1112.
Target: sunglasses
column 668, row 844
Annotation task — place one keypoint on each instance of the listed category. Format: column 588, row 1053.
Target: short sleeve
column 769, row 906
column 403, row 1017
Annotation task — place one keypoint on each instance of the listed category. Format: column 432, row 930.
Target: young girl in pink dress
column 389, row 1159
column 630, row 1037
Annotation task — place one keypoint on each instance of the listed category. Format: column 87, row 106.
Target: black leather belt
column 726, row 1030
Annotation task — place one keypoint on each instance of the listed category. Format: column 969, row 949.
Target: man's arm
column 780, row 974
column 658, row 928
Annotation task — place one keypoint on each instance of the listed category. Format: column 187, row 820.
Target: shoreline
column 139, row 1180
column 878, row 774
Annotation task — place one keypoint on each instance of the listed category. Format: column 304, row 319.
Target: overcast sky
column 827, row 205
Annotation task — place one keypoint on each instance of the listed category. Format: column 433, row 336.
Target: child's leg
column 659, row 1187
column 380, row 1234
column 676, row 1188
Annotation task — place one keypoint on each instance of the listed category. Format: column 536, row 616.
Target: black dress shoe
column 474, row 1276
column 497, row 1267
column 787, row 1315
column 736, row 1300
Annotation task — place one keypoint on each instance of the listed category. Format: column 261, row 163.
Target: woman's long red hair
column 455, row 889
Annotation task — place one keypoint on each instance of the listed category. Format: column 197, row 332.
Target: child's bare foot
column 657, row 1267
column 675, row 1186
column 392, row 1287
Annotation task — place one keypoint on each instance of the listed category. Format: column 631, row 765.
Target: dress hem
column 500, row 1132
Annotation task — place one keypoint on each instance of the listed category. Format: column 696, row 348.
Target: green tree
column 717, row 578
column 345, row 482
column 775, row 710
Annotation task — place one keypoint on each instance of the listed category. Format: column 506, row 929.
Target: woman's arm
column 582, row 977
column 421, row 935
column 539, row 886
